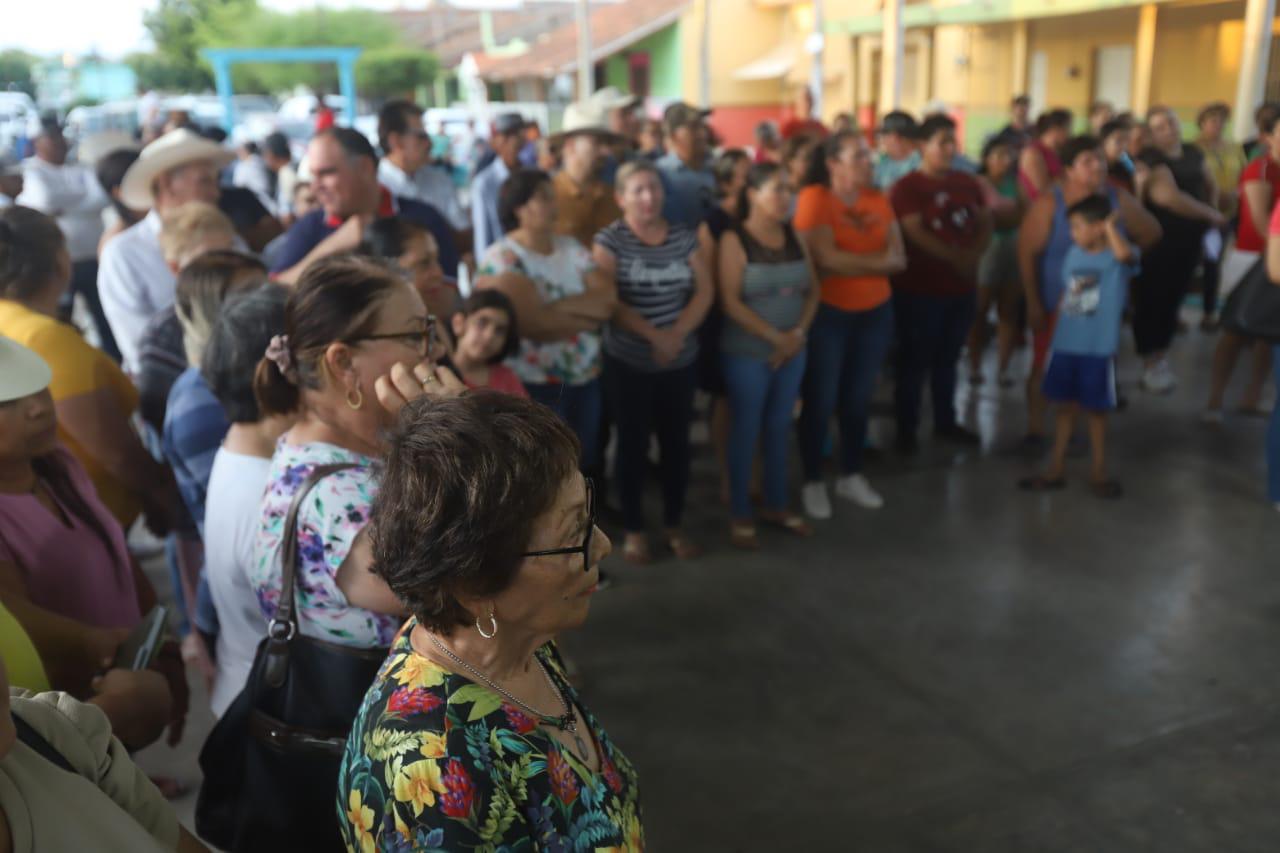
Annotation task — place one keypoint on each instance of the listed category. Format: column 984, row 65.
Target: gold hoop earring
column 493, row 627
column 359, row 401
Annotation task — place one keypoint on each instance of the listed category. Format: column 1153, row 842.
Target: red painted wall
column 737, row 125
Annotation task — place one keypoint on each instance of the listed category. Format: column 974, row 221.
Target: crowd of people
column 362, row 407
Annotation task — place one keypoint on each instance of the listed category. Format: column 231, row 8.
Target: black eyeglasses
column 585, row 547
column 424, row 340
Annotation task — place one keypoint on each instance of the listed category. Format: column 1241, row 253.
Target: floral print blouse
column 436, row 762
column 328, row 521
column 576, row 360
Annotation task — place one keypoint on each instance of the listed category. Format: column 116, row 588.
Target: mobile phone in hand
column 139, row 649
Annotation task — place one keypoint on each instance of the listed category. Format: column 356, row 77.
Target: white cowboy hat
column 612, row 98
column 176, row 148
column 22, row 372
column 95, row 146
column 585, row 117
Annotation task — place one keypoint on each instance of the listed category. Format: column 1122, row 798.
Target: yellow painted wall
column 741, row 32
column 1197, row 54
column 1069, row 44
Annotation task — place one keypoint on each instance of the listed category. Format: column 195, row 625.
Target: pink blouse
column 69, row 567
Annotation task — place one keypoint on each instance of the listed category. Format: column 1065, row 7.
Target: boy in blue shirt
column 1081, row 370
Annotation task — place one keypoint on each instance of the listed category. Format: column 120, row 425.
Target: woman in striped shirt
column 651, row 349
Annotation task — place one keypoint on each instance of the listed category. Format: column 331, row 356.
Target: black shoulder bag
column 271, row 763
column 1253, row 308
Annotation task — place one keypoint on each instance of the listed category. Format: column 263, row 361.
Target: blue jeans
column 761, row 401
column 1273, row 437
column 579, row 406
column 931, row 333
column 846, row 351
column 651, row 403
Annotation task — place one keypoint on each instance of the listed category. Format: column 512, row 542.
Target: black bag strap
column 283, row 627
column 32, row 738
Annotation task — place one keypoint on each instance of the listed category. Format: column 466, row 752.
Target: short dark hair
column 394, row 118
column 1116, row 125
column 244, row 328
column 933, row 124
column 725, row 164
column 336, row 299
column 1021, row 101
column 110, row 171
column 29, row 246
column 1218, row 108
column 465, row 481
column 1266, row 108
column 352, row 142
column 497, row 300
column 277, row 145
column 1058, row 119
column 1077, row 145
column 1267, row 124
column 1093, row 208
column 515, row 192
column 386, row 236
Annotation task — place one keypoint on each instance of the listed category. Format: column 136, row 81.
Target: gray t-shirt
column 775, row 284
column 655, row 281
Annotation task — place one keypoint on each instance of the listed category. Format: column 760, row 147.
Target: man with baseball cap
column 506, row 140
column 899, row 148
column 134, row 281
column 687, row 179
column 584, row 202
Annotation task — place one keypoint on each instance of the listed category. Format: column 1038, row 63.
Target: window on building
column 638, row 73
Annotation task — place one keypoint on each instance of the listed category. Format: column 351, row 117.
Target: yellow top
column 78, row 368
column 19, row 655
column 1226, row 161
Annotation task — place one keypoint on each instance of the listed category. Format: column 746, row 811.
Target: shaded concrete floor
column 971, row 668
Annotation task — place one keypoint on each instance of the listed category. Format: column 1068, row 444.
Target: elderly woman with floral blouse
column 471, row 737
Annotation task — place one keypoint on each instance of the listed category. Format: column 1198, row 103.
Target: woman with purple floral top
column 354, row 345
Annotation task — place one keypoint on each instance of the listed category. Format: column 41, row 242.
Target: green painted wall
column 663, row 48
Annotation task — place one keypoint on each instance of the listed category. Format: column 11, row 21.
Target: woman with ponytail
column 354, row 347
column 849, row 228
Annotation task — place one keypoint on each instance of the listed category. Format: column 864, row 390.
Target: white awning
column 773, row 65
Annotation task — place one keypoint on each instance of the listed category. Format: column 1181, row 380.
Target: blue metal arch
column 223, row 58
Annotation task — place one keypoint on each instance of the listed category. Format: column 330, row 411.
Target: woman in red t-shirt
column 485, row 335
column 1259, row 191
column 1273, row 432
column 1038, row 164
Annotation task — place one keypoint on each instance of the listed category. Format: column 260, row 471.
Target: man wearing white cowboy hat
column 584, row 201
column 134, row 281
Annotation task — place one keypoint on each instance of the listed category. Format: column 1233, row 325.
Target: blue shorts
column 1089, row 380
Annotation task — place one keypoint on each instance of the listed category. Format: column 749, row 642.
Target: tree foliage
column 15, row 71
column 180, row 28
column 390, row 72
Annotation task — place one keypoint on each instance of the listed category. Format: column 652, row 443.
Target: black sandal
column 1107, row 489
column 1041, row 483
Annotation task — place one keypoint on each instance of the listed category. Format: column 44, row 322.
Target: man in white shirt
column 406, row 168
column 134, row 281
column 70, row 193
column 278, row 157
column 251, row 173
column 507, row 140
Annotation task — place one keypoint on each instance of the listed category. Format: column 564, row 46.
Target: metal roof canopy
column 223, row 58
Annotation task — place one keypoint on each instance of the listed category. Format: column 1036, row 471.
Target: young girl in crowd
column 770, row 297
column 998, row 282
column 484, row 335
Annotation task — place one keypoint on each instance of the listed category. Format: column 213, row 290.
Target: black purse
column 1253, row 308
column 271, row 763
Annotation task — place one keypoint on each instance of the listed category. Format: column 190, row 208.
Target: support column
column 1144, row 57
column 891, row 57
column 704, row 58
column 347, row 83
column 1021, row 37
column 1255, row 59
column 222, row 79
column 585, row 75
column 816, row 43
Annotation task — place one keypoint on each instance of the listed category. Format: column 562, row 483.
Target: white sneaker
column 856, row 488
column 1159, row 379
column 816, row 503
column 1211, row 416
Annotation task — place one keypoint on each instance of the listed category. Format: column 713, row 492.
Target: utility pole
column 586, row 76
column 815, row 45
